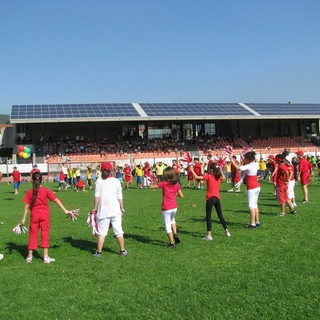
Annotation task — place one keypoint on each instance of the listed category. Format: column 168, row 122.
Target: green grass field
column 267, row 273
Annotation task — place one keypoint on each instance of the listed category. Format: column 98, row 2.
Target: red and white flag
column 187, row 158
column 228, row 149
column 92, row 222
column 73, row 214
column 18, row 229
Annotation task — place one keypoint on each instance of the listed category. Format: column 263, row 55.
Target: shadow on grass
column 84, row 245
column 143, row 239
column 8, row 199
column 22, row 249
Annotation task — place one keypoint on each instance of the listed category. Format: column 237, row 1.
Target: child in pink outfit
column 170, row 191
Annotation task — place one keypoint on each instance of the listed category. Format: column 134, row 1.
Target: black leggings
column 213, row 201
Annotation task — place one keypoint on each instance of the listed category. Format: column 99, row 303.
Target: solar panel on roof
column 194, row 109
column 285, row 108
column 73, row 111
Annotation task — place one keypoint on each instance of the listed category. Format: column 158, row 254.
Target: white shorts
column 253, row 195
column 169, row 218
column 291, row 185
column 104, row 225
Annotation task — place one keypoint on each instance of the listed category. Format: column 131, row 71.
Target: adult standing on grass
column 250, row 169
column 36, row 201
column 108, row 207
column 213, row 178
column 304, row 172
column 170, row 190
column 16, row 177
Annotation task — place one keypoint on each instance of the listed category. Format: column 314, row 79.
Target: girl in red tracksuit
column 36, row 200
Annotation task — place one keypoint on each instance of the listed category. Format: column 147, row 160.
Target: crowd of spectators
column 65, row 146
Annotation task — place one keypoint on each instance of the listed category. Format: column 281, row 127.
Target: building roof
column 160, row 111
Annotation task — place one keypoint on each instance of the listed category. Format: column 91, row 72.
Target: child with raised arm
column 213, row 178
column 170, row 190
column 36, row 201
column 250, row 169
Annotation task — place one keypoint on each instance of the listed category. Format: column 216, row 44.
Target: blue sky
column 105, row 51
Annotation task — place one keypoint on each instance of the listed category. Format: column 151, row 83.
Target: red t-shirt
column 304, row 165
column 16, row 176
column 197, row 168
column 213, row 186
column 41, row 205
column 147, row 171
column 235, row 174
column 80, row 184
column 33, row 171
column 282, row 174
column 127, row 173
column 290, row 166
column 169, row 193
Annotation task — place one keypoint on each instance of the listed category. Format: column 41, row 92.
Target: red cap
column 126, row 165
column 106, row 166
column 146, row 162
column 300, row 153
column 271, row 157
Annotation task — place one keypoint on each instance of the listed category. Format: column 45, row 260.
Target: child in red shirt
column 36, row 200
column 170, row 191
column 213, row 179
column 282, row 181
column 80, row 185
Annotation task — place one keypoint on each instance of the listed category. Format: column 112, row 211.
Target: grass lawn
column 267, row 273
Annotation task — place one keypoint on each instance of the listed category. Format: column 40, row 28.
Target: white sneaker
column 208, row 238
column 1, row 256
column 48, row 260
column 231, row 190
column 228, row 234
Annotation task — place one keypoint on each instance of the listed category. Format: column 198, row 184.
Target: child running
column 213, row 178
column 170, row 191
column 36, row 200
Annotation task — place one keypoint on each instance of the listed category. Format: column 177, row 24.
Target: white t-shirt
column 110, row 192
column 250, row 169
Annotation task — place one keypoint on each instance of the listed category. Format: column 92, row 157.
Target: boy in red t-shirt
column 16, row 176
column 305, row 170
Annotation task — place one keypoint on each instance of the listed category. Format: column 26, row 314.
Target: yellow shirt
column 262, row 165
column 160, row 169
column 139, row 172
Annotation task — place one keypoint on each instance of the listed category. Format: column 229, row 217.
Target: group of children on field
column 108, row 200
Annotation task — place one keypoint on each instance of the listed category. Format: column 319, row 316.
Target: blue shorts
column 16, row 185
column 139, row 180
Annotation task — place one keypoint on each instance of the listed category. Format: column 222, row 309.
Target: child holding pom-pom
column 36, row 200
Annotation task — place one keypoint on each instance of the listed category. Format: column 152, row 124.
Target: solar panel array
column 158, row 110
column 53, row 111
column 193, row 109
column 288, row 109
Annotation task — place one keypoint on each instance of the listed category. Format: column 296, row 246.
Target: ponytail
column 36, row 183
column 215, row 171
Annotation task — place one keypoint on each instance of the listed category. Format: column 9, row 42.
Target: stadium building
column 266, row 127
